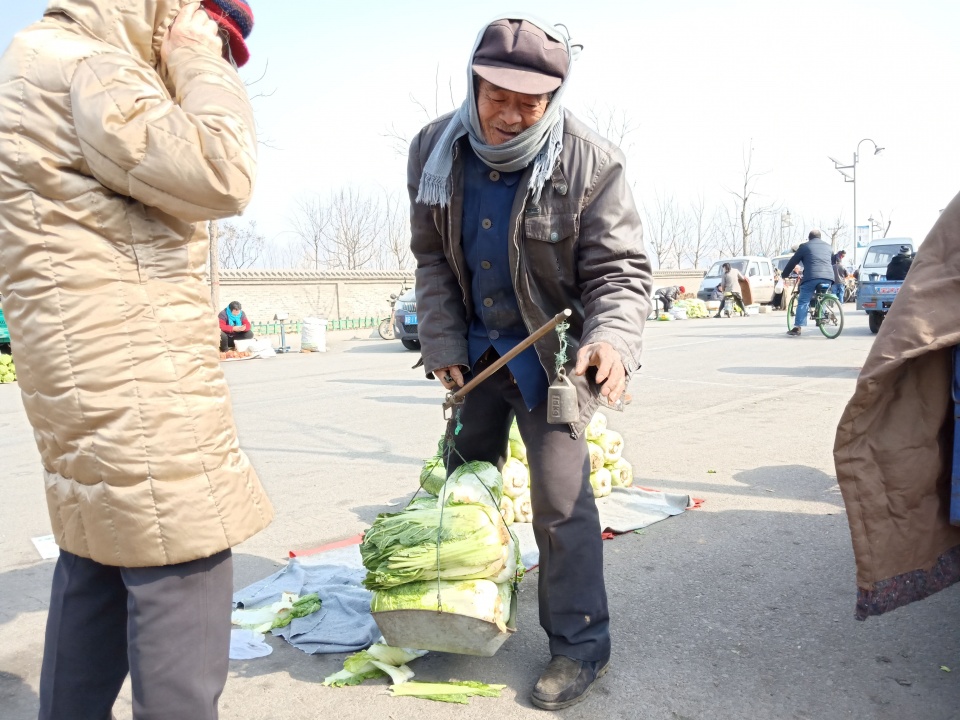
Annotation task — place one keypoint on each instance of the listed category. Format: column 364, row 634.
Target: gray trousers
column 169, row 627
column 573, row 599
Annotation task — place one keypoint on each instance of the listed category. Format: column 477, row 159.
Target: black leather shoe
column 566, row 682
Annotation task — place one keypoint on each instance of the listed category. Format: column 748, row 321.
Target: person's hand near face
column 193, row 27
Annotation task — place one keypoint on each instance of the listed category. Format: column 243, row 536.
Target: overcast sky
column 701, row 81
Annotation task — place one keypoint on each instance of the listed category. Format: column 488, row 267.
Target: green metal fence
column 353, row 323
column 273, row 328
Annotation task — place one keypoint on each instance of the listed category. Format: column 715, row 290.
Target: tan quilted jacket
column 108, row 169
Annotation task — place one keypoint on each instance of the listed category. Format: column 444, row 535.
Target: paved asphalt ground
column 741, row 610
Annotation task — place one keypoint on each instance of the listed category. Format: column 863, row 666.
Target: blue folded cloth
column 343, row 623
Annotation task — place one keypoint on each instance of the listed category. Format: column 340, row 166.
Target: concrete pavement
column 740, row 610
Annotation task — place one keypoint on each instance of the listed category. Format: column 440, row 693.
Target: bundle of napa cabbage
column 516, row 478
column 481, row 599
column 612, row 444
column 403, row 547
column 473, row 482
column 596, row 456
column 433, row 474
column 596, row 426
column 621, row 473
column 423, row 501
column 506, row 509
column 600, row 481
column 523, row 509
column 517, row 449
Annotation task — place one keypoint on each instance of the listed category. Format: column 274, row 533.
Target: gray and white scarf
column 540, row 143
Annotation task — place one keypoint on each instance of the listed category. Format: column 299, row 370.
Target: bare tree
column 396, row 232
column 399, row 140
column 766, row 233
column 354, row 232
column 746, row 209
column 835, row 230
column 678, row 231
column 701, row 232
column 239, row 246
column 662, row 227
column 727, row 223
column 882, row 224
column 262, row 139
column 613, row 122
column 309, row 222
column 280, row 255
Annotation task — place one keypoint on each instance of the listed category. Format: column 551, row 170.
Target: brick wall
column 305, row 293
column 345, row 294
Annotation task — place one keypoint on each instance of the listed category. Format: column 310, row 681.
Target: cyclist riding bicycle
column 814, row 255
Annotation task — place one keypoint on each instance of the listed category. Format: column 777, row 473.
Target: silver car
column 405, row 320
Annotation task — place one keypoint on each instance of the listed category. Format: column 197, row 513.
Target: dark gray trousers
column 573, row 599
column 169, row 627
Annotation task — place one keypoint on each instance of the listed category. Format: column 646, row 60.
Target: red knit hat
column 236, row 17
column 682, row 289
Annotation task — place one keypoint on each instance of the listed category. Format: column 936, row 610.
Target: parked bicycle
column 825, row 310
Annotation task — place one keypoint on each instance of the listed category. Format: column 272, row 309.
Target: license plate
column 410, row 320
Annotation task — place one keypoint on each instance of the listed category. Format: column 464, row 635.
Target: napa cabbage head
column 473, row 482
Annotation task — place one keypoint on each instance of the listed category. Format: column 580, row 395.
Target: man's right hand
column 450, row 377
column 193, row 28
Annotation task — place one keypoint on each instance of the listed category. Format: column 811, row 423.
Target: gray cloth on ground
column 623, row 510
column 343, row 623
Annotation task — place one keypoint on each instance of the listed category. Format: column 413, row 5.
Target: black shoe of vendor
column 566, row 682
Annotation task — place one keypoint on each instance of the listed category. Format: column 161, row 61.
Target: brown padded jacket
column 109, row 168
column 894, row 446
column 581, row 248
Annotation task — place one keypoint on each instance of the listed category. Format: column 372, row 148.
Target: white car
column 758, row 271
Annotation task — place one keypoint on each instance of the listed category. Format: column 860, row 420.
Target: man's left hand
column 611, row 375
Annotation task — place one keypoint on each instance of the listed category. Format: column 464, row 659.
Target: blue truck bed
column 876, row 297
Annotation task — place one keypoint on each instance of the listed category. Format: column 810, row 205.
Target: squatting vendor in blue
column 518, row 212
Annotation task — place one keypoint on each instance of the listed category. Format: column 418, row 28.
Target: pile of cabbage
column 695, row 308
column 448, row 551
column 608, row 469
column 8, row 371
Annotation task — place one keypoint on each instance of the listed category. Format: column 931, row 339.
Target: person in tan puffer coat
column 123, row 129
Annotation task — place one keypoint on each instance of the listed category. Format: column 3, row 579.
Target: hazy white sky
column 701, row 80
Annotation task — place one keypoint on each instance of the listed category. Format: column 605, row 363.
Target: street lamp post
column 853, row 179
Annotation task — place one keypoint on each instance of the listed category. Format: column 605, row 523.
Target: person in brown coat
column 123, row 129
column 895, row 442
column 520, row 211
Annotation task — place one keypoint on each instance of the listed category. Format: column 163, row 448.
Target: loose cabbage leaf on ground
column 455, row 692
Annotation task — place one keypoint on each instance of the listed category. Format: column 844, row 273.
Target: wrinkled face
column 504, row 114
